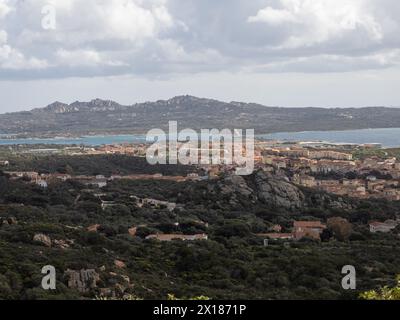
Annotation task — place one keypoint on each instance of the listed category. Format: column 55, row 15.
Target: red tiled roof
column 377, row 223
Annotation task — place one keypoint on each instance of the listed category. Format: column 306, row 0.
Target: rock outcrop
column 83, row 280
column 43, row 239
column 119, row 264
column 12, row 220
column 235, row 184
column 278, row 192
column 63, row 244
column 329, row 201
column 274, row 191
column 93, row 228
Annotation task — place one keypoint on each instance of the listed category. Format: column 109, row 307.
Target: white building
column 385, row 227
column 42, row 184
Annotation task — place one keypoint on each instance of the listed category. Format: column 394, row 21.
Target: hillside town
column 328, row 167
column 335, row 170
column 331, row 168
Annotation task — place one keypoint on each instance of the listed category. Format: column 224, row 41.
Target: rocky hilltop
column 275, row 192
column 105, row 116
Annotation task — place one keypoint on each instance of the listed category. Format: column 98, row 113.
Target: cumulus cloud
column 328, row 63
column 315, row 22
column 4, row 8
column 165, row 37
column 12, row 58
column 274, row 16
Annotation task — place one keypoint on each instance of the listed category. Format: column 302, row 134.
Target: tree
column 233, row 229
column 340, row 228
column 385, row 293
column 5, row 289
column 69, row 170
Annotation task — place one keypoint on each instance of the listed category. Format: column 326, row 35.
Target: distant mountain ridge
column 109, row 117
column 93, row 106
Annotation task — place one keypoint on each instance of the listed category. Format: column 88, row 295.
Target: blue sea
column 386, row 137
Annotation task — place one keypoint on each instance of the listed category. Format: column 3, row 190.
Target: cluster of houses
column 370, row 187
column 314, row 229
column 306, row 164
column 300, row 230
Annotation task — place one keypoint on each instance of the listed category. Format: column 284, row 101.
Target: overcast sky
column 275, row 52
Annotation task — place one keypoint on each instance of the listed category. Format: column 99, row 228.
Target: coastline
column 386, row 137
column 91, row 133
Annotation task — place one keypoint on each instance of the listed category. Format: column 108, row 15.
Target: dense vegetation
column 385, row 293
column 93, row 165
column 233, row 263
column 381, row 153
